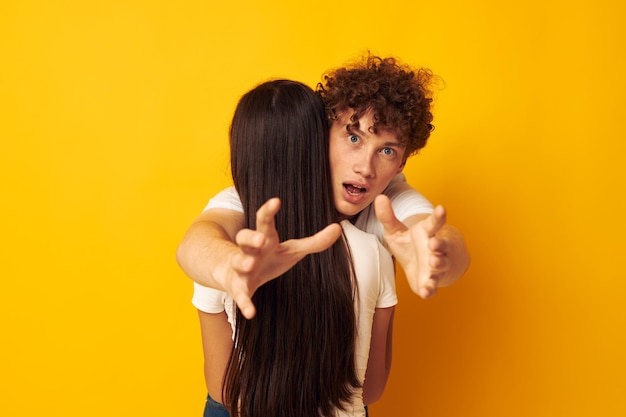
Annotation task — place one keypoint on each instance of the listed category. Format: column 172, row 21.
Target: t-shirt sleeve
column 210, row 300
column 207, row 299
column 228, row 199
column 405, row 200
column 387, row 296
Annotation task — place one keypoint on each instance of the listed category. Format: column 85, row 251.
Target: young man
column 380, row 115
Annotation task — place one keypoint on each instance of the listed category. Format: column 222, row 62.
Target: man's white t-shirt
column 405, row 200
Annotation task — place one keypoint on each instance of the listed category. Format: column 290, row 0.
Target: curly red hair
column 399, row 97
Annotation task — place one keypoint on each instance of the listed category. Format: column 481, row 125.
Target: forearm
column 217, row 252
column 207, row 248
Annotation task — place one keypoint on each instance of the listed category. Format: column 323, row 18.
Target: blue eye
column 388, row 151
column 353, row 138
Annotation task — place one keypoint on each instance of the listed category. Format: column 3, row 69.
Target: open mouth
column 354, row 190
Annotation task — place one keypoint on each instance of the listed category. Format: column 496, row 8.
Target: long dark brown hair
column 296, row 356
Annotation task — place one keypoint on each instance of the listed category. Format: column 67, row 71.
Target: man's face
column 361, row 163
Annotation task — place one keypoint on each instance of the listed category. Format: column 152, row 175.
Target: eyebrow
column 352, row 129
column 361, row 132
column 395, row 145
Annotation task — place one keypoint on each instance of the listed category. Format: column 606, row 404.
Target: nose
column 364, row 165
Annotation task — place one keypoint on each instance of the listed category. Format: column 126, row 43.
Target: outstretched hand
column 262, row 257
column 420, row 250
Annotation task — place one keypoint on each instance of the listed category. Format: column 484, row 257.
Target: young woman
column 320, row 342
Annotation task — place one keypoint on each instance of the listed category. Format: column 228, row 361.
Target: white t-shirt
column 374, row 269
column 375, row 275
column 405, row 201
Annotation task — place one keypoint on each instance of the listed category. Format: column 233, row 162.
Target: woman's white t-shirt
column 374, row 269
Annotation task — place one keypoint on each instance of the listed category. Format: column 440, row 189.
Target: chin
column 349, row 210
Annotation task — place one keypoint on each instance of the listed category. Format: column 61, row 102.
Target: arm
column 216, row 346
column 379, row 361
column 207, row 247
column 215, row 253
column 432, row 253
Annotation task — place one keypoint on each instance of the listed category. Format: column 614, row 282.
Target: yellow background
column 113, row 122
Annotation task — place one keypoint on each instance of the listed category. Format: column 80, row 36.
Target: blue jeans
column 214, row 409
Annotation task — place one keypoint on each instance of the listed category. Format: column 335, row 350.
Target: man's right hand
column 259, row 256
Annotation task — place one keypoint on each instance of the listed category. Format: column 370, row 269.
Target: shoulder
column 405, row 199
column 358, row 239
column 228, row 199
column 369, row 256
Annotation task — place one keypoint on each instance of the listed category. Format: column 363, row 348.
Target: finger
column 243, row 263
column 428, row 290
column 250, row 241
column 318, row 242
column 384, row 213
column 434, row 222
column 245, row 304
column 439, row 263
column 438, row 245
column 265, row 216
